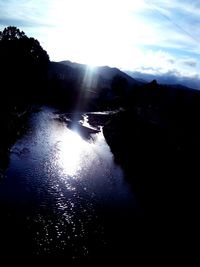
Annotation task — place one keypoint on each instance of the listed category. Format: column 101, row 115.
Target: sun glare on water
column 71, row 150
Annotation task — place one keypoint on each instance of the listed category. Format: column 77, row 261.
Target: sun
column 93, row 32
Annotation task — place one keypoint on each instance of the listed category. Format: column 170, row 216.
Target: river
column 64, row 194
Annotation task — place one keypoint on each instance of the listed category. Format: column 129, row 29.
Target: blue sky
column 151, row 36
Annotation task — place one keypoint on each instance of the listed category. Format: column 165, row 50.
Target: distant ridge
column 105, row 72
column 168, row 79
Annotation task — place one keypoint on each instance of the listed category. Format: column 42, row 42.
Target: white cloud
column 161, row 63
column 190, row 62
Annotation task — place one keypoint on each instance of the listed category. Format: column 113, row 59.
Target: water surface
column 63, row 194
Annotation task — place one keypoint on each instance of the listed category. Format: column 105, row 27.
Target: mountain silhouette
column 105, row 73
column 70, row 83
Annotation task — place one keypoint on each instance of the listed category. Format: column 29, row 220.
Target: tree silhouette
column 23, row 67
column 11, row 33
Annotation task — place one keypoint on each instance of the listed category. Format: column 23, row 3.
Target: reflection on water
column 57, row 186
column 71, row 150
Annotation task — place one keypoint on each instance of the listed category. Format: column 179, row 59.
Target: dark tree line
column 23, row 68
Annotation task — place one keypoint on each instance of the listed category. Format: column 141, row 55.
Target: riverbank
column 155, row 156
column 14, row 124
column 161, row 164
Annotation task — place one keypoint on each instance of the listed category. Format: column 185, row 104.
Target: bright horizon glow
column 152, row 36
column 103, row 31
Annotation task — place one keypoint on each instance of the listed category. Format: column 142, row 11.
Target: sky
column 150, row 36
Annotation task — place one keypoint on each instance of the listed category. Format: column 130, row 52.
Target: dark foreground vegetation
column 156, row 141
column 160, row 130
